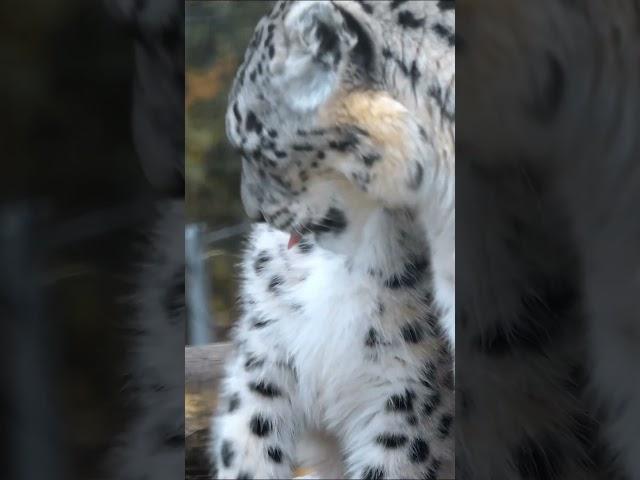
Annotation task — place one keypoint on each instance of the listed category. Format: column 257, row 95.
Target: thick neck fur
column 378, row 242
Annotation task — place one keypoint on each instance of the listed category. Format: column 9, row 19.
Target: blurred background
column 75, row 208
column 216, row 36
column 78, row 197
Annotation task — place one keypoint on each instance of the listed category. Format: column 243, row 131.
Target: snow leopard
column 546, row 176
column 343, row 116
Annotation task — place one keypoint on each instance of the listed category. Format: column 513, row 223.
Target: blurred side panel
column 94, row 146
column 548, row 240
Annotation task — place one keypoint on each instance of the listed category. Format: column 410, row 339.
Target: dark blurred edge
column 33, row 427
column 96, row 139
column 544, row 247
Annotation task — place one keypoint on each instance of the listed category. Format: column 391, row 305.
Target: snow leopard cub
column 340, row 332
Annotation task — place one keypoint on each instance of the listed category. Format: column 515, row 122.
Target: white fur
column 327, row 300
column 322, row 315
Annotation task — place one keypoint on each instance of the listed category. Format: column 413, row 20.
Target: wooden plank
column 204, row 364
column 204, row 367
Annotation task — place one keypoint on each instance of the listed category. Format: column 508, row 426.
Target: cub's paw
column 385, row 152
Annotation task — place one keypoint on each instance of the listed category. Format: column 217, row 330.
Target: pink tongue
column 294, row 239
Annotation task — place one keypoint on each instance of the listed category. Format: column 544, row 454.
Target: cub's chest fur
column 330, row 315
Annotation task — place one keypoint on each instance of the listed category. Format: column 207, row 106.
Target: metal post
column 199, row 317
column 34, row 426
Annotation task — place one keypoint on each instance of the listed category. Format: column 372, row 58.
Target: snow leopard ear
column 316, row 44
column 319, row 29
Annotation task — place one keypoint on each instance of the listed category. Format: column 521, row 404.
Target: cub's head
column 298, row 58
column 288, row 121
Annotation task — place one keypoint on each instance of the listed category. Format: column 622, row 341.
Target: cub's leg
column 255, row 427
column 406, row 435
column 401, row 424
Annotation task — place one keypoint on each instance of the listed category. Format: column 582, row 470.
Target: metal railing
column 200, row 318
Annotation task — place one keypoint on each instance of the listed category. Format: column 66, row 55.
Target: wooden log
column 204, row 364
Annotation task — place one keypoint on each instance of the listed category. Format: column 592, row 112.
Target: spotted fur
column 344, row 148
column 306, row 359
column 357, row 93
